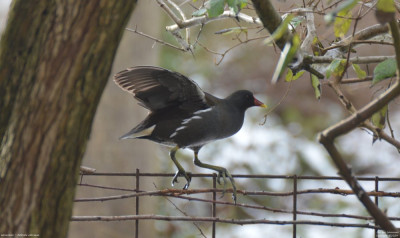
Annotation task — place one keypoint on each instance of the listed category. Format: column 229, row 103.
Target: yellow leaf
column 342, row 23
column 386, row 6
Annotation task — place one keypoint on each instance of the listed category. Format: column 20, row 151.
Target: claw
column 224, row 173
column 180, row 173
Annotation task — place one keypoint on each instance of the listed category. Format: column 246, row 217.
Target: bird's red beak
column 259, row 104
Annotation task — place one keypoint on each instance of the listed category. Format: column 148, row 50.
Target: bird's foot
column 182, row 173
column 225, row 173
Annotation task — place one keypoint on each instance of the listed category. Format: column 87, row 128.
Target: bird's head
column 244, row 99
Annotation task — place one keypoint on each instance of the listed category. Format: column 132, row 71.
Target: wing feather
column 158, row 89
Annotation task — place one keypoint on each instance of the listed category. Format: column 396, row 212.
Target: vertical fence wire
column 294, row 205
column 376, row 200
column 137, row 204
column 214, row 205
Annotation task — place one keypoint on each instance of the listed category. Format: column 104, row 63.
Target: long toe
column 175, row 178
column 188, row 177
column 223, row 175
column 179, row 173
column 234, row 193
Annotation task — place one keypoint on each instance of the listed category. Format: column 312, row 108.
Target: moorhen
column 182, row 115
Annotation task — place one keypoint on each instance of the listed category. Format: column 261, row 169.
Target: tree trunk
column 55, row 59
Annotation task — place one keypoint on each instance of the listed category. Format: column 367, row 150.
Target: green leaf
column 298, row 75
column 289, row 75
column 342, row 23
column 236, row 5
column 317, row 47
column 335, row 68
column 200, row 12
column 316, row 86
column 345, row 6
column 282, row 28
column 215, row 7
column 378, row 118
column 287, row 54
column 385, row 69
column 361, row 74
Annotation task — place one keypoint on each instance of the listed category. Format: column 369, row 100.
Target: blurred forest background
column 285, row 145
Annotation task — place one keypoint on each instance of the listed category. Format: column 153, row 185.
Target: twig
column 217, row 219
column 364, row 34
column 183, row 19
column 356, row 80
column 170, row 13
column 356, row 42
column 174, row 192
column 276, row 105
column 356, row 60
column 311, row 31
column 195, row 21
column 155, row 39
column 339, row 79
column 186, row 46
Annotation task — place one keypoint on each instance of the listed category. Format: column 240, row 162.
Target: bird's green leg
column 181, row 171
column 221, row 172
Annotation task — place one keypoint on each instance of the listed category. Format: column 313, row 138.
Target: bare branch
column 356, row 59
column 216, row 219
column 357, row 42
column 195, row 21
column 356, row 80
column 328, row 136
column 183, row 18
column 170, row 13
column 155, row 39
column 175, row 192
column 311, row 31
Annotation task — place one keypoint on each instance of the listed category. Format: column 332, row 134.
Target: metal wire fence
column 295, row 216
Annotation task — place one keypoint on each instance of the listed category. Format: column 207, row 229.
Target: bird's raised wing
column 157, row 88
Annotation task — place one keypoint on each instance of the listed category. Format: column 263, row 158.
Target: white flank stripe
column 186, row 121
column 181, row 128
column 202, row 111
column 173, row 134
column 176, row 131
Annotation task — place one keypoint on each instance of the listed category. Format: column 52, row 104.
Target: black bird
column 182, row 115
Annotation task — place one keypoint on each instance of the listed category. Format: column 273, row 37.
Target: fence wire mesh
column 304, row 201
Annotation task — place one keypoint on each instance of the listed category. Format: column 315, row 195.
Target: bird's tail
column 138, row 133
